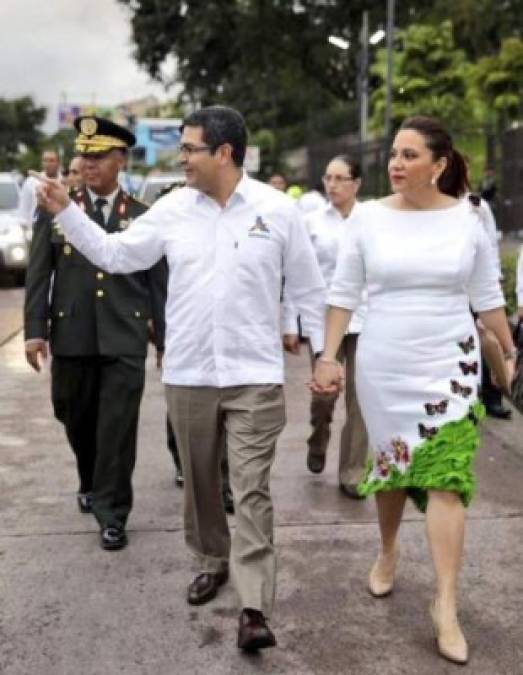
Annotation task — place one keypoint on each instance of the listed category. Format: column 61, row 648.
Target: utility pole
column 390, row 47
column 364, row 77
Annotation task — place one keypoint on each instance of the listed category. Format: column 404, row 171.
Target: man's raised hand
column 51, row 194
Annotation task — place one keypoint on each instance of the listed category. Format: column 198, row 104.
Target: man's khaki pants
column 354, row 440
column 252, row 418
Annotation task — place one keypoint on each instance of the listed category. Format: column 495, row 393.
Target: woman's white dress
column 418, row 360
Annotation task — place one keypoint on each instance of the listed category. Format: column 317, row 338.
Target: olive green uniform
column 97, row 327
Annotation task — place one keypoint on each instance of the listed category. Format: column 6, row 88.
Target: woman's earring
column 433, row 180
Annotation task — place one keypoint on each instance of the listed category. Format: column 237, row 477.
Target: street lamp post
column 364, row 78
column 388, row 91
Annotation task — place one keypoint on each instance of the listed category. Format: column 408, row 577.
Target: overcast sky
column 77, row 48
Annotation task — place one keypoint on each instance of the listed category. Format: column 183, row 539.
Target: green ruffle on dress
column 443, row 462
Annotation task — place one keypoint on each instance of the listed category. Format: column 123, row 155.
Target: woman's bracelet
column 325, row 359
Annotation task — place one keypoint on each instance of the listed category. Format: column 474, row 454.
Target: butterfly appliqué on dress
column 437, row 408
column 467, row 345
column 457, row 388
column 467, row 368
column 427, row 432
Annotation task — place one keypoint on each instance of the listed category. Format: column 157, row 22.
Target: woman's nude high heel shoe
column 381, row 577
column 449, row 638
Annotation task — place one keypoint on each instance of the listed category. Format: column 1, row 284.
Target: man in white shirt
column 28, row 204
column 228, row 240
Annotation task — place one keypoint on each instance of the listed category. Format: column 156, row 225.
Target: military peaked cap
column 96, row 134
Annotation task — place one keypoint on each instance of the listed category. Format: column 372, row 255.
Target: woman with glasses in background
column 327, row 226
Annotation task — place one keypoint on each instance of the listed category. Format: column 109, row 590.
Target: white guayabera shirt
column 225, row 271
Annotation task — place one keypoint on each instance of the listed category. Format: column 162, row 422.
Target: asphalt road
column 69, row 608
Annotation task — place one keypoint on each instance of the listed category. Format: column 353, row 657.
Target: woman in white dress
column 424, row 255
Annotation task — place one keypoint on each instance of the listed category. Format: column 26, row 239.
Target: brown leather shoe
column 205, row 587
column 254, row 633
column 315, row 462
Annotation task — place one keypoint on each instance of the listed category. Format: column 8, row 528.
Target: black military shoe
column 228, row 501
column 315, row 462
column 253, row 632
column 85, row 502
column 113, row 538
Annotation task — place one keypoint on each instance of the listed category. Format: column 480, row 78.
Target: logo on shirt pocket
column 260, row 229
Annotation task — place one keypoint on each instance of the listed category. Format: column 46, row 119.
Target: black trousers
column 97, row 398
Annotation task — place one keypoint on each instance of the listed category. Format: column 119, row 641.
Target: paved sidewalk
column 69, row 608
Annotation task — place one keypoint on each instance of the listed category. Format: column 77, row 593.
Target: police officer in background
column 97, row 325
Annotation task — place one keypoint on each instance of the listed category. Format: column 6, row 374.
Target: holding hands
column 327, row 377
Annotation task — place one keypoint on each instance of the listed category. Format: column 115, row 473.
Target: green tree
column 479, row 25
column 429, row 77
column 499, row 78
column 20, row 120
column 270, row 59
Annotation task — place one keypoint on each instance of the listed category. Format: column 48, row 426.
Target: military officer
column 97, row 327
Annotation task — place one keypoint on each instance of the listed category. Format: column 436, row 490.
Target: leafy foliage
column 19, row 122
column 270, row 59
column 500, row 78
column 429, row 76
column 479, row 25
column 509, row 265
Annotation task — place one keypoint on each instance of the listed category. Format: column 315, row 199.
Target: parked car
column 154, row 184
column 14, row 242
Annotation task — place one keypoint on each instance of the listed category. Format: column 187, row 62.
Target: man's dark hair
column 221, row 125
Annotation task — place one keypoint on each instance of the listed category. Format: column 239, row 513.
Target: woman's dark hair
column 454, row 179
column 221, row 125
column 353, row 165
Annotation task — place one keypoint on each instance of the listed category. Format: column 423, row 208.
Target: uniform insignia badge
column 88, row 126
column 123, row 224
column 259, row 229
column 67, row 249
column 57, row 228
